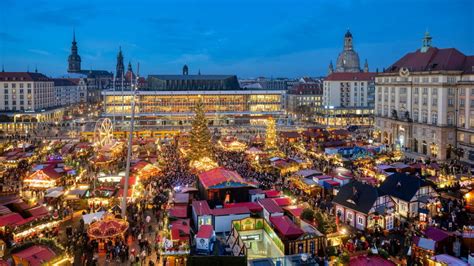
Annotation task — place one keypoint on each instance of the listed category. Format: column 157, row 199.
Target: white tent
column 91, row 217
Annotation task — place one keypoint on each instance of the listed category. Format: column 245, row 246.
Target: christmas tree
column 271, row 137
column 200, row 139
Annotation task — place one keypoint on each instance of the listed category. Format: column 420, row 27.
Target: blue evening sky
column 249, row 38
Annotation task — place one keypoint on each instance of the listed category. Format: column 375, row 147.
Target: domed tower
column 74, row 60
column 348, row 59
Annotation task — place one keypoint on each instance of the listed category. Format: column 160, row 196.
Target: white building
column 24, row 91
column 417, row 100
column 69, row 92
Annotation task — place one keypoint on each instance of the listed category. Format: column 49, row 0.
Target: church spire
column 129, row 68
column 74, row 60
column 366, row 66
column 330, row 68
column 185, row 70
column 36, row 68
column 119, row 71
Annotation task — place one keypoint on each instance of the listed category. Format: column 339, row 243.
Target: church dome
column 348, row 61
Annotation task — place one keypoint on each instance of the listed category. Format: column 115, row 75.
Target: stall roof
column 38, row 211
column 230, row 211
column 179, row 211
column 286, row 227
column 283, row 201
column 201, row 207
column 252, row 206
column 270, row 205
column 181, row 198
column 426, row 243
column 205, row 231
column 308, row 173
column 449, row 260
column 36, row 255
column 436, row 234
column 180, row 230
column 272, row 193
column 294, row 211
column 221, row 177
column 11, row 218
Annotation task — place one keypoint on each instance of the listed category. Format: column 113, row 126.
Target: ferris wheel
column 103, row 132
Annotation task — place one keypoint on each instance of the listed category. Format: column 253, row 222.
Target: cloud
column 40, row 52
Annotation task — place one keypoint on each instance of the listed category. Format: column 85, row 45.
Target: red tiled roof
column 179, row 211
column 433, row 59
column 351, row 76
column 36, row 255
column 283, row 201
column 252, row 206
column 205, row 231
column 11, row 218
column 219, row 176
column 270, row 205
column 286, row 227
column 272, row 193
column 201, row 207
column 230, row 211
column 22, row 76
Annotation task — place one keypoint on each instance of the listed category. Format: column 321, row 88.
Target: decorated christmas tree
column 271, row 135
column 200, row 138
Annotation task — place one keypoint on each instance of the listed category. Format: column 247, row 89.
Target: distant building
column 348, row 91
column 29, row 96
column 265, row 83
column 69, row 92
column 424, row 103
column 170, row 99
column 305, row 97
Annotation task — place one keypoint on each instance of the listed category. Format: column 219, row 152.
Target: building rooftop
column 286, row 227
column 401, row 186
column 270, row 205
column 23, row 76
column 230, row 211
column 434, row 59
column 201, row 207
column 357, row 196
column 205, row 231
column 222, row 178
column 351, row 76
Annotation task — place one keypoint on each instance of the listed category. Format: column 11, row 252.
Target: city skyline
column 220, row 39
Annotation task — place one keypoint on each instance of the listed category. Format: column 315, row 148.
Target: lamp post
column 129, row 153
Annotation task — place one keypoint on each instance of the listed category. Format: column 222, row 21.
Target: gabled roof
column 36, row 255
column 270, row 205
column 434, row 59
column 179, row 212
column 283, row 201
column 401, row 186
column 286, row 227
column 205, row 231
column 222, row 178
column 201, row 207
column 11, row 218
column 252, row 206
column 357, row 196
column 180, row 230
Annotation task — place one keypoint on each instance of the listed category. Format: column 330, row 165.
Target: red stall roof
column 179, row 211
column 286, row 227
column 38, row 211
column 270, row 205
column 205, row 231
column 180, row 230
column 252, row 206
column 295, row 211
column 201, row 207
column 36, row 255
column 272, row 193
column 230, row 211
column 283, row 201
column 11, row 218
column 222, row 176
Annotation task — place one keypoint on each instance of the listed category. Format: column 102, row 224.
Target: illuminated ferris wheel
column 103, row 132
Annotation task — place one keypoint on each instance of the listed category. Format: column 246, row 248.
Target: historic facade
column 348, row 91
column 423, row 101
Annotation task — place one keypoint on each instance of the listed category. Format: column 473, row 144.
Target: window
column 415, row 116
column 471, row 119
column 434, row 91
column 403, row 90
column 461, row 137
column 417, row 90
column 425, row 80
column 434, row 79
column 360, row 220
column 434, row 101
column 472, row 103
column 450, row 119
column 461, row 103
column 450, row 101
column 13, row 85
column 21, row 85
column 417, row 80
column 472, row 91
column 434, row 118
column 6, row 91
column 28, row 85
column 415, row 100
column 472, row 139
column 424, row 118
column 425, row 100
column 5, row 85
